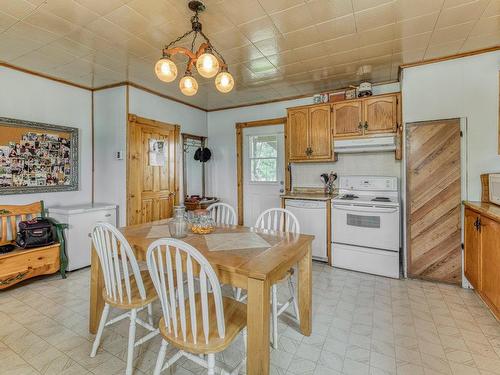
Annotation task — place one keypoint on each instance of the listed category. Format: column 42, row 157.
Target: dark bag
column 35, row 233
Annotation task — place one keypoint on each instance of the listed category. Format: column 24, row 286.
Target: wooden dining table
column 259, row 259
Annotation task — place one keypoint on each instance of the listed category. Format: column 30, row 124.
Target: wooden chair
column 21, row 264
column 197, row 323
column 125, row 287
column 223, row 213
column 280, row 220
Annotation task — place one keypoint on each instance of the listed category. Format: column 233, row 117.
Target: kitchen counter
column 308, row 196
column 487, row 209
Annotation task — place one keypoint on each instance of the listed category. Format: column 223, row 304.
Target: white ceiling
column 274, row 48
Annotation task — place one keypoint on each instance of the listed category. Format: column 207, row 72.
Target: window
column 263, row 158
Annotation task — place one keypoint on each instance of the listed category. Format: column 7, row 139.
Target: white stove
column 366, row 225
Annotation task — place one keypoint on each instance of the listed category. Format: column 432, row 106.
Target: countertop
column 308, row 196
column 487, row 209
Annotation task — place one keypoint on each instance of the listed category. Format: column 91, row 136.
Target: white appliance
column 80, row 219
column 312, row 220
column 366, row 225
column 372, row 144
column 494, row 187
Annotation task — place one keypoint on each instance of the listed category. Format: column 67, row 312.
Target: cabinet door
column 380, row 114
column 490, row 261
column 347, row 119
column 320, row 132
column 297, row 134
column 471, row 248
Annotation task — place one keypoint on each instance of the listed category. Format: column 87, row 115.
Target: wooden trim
column 450, row 57
column 193, row 136
column 127, row 155
column 239, row 126
column 92, row 132
column 499, row 114
column 46, row 76
column 111, row 86
column 329, row 231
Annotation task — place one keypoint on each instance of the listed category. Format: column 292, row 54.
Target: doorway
column 152, row 170
column 260, row 167
column 434, row 185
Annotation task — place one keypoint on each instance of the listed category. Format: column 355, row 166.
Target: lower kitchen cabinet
column 482, row 252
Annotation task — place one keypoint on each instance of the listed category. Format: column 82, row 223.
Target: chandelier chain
column 179, row 39
column 212, row 47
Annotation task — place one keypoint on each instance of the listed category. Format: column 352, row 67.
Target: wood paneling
column 347, row 119
column 320, row 132
column 472, row 244
column 297, row 134
column 152, row 190
column 434, row 200
column 380, row 114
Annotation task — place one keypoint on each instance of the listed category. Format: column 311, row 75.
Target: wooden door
column 434, row 200
column 380, row 114
column 320, row 132
column 152, row 189
column 297, row 134
column 347, row 119
column 490, row 261
column 472, row 248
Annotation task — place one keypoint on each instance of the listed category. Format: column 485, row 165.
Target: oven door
column 366, row 225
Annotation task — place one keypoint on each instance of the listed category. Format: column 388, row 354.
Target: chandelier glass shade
column 206, row 59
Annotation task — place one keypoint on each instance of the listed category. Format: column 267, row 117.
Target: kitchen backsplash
column 369, row 164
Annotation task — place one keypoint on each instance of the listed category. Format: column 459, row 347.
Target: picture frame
column 37, row 157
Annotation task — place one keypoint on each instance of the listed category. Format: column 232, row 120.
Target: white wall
column 466, row 88
column 110, row 136
column 28, row 97
column 222, row 142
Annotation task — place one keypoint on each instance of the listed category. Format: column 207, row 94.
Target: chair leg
column 161, row 357
column 211, row 363
column 294, row 299
column 150, row 314
column 131, row 342
column 274, row 314
column 102, row 324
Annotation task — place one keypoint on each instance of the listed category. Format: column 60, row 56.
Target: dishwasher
column 312, row 216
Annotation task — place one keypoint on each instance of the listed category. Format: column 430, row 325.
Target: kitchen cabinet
column 309, row 134
column 482, row 252
column 365, row 117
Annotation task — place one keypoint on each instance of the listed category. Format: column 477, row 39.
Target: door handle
column 366, row 125
column 360, row 127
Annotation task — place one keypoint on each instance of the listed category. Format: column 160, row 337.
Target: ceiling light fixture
column 207, row 60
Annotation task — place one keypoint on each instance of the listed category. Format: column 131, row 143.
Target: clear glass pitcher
column 178, row 225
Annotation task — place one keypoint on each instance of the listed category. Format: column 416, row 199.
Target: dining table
column 248, row 258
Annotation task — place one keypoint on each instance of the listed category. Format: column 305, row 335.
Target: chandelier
column 207, row 60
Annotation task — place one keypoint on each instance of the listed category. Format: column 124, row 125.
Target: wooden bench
column 21, row 264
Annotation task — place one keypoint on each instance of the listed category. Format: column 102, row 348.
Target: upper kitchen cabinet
column 367, row 116
column 309, row 134
column 380, row 114
column 347, row 118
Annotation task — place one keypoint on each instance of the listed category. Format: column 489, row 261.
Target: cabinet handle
column 360, row 127
column 107, row 215
column 366, row 125
column 477, row 224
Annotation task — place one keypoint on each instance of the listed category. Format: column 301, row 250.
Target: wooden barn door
column 434, row 200
column 152, row 184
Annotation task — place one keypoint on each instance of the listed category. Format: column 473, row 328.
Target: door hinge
column 461, row 133
column 462, row 246
column 331, row 109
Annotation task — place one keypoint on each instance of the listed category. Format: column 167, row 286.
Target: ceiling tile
column 345, row 43
column 157, row 12
column 28, row 31
column 446, row 49
column 493, row 9
column 375, row 17
column 12, row 47
column 100, row 6
column 359, row 5
column 324, row 10
column 293, row 19
column 272, row 46
column 414, row 42
column 229, row 39
column 410, row 8
column 272, row 6
column 241, row 54
column 49, row 21
column 486, row 26
column 481, row 41
column 451, row 33
column 241, row 11
column 461, row 14
column 16, row 9
column 70, row 11
column 70, row 46
column 128, row 19
column 378, row 35
column 260, row 29
column 375, row 50
column 108, row 30
column 337, row 27
column 414, row 26
column 6, row 21
column 303, row 37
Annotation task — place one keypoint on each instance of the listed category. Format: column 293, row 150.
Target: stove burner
column 348, row 197
column 381, row 199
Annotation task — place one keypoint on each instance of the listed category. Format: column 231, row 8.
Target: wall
column 222, row 142
column 466, row 88
column 28, row 97
column 110, row 136
column 110, row 122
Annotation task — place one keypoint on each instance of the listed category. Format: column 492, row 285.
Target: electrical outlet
column 119, row 155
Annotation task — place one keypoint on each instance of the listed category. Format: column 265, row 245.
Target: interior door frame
column 203, row 141
column 464, row 178
column 239, row 126
column 133, row 120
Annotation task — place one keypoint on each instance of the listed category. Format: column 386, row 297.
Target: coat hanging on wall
column 202, row 154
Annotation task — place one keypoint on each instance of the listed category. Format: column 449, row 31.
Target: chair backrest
column 116, row 258
column 170, row 262
column 279, row 220
column 11, row 215
column 222, row 213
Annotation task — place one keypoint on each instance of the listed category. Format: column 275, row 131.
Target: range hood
column 374, row 144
